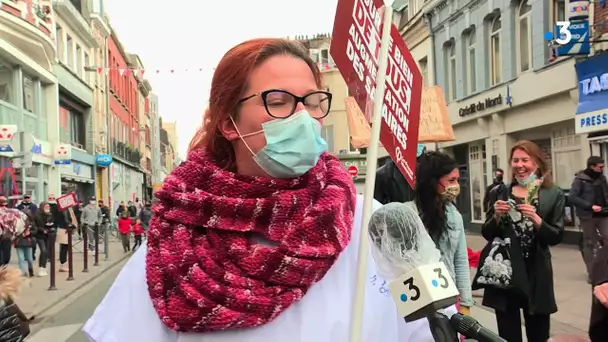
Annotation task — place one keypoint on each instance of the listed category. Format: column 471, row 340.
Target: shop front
column 127, row 182
column 488, row 124
column 78, row 178
column 592, row 111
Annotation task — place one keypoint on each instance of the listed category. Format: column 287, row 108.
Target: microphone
column 407, row 257
column 470, row 328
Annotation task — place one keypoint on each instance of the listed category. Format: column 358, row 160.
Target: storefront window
column 78, row 188
column 10, row 181
column 29, row 97
column 64, row 126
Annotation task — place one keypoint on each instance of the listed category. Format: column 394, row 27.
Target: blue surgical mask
column 529, row 180
column 293, row 145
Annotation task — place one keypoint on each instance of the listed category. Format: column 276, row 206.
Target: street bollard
column 51, row 247
column 85, row 241
column 96, row 234
column 70, row 232
column 106, row 249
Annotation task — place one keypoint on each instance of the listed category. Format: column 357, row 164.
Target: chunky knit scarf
column 227, row 251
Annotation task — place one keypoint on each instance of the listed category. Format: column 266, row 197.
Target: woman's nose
column 300, row 107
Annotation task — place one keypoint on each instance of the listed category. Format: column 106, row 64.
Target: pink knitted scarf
column 207, row 269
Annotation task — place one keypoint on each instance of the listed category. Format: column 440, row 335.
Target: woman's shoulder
column 126, row 313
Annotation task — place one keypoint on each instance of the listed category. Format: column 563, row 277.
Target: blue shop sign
column 104, row 160
column 592, row 110
column 579, row 39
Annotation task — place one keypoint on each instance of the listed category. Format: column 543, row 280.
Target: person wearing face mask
column 498, row 181
column 436, row 190
column 524, row 224
column 589, row 194
column 91, row 216
column 255, row 236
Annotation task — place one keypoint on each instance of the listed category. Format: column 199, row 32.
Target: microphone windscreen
column 400, row 242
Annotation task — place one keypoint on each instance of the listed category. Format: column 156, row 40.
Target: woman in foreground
column 252, row 238
column 526, row 220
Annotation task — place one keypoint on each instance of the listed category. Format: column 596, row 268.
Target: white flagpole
column 356, row 332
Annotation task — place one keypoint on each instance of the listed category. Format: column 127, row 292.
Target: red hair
column 227, row 87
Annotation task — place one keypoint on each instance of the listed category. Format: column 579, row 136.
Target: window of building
column 405, row 18
column 77, row 129
column 79, row 66
column 327, row 133
column 61, row 49
column 495, row 60
column 424, row 70
column 29, row 95
column 524, row 35
column 87, row 63
column 452, row 71
column 477, row 176
column 325, row 60
column 559, row 10
column 566, row 149
column 69, row 51
column 472, row 74
column 7, row 84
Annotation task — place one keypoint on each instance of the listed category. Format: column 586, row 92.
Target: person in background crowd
column 535, row 224
column 14, row 325
column 6, row 242
column 146, row 215
column 24, row 243
column 29, row 209
column 498, row 180
column 78, row 213
column 62, row 222
column 437, row 187
column 44, row 224
column 105, row 211
column 589, row 194
column 122, row 207
column 91, row 216
column 124, row 228
column 598, row 322
column 138, row 206
column 257, row 190
column 132, row 210
column 391, row 186
column 138, row 232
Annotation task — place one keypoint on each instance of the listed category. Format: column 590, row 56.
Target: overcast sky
column 194, row 34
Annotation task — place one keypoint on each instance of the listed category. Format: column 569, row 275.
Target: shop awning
column 592, row 110
column 78, row 179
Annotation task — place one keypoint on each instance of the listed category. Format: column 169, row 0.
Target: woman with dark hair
column 255, row 236
column 523, row 222
column 436, row 190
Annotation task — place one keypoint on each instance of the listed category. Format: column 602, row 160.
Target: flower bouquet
column 533, row 190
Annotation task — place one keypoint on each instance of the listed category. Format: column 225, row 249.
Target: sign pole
column 23, row 166
column 356, row 333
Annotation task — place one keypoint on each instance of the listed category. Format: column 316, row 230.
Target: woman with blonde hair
column 523, row 221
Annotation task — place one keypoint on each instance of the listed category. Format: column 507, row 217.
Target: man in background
column 498, row 180
column 589, row 194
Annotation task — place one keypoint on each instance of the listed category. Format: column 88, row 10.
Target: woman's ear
column 228, row 129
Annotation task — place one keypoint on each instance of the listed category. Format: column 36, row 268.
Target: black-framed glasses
column 282, row 104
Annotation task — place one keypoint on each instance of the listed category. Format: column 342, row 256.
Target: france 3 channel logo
column 565, row 34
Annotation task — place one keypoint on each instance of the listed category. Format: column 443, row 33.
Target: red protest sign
column 355, row 47
column 66, row 201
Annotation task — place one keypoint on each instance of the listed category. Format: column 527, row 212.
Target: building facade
column 155, row 137
column 101, row 32
column 76, row 46
column 167, row 153
column 126, row 173
column 144, row 88
column 28, row 98
column 171, row 128
column 503, row 85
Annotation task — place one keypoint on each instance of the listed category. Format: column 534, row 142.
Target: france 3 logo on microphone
column 425, row 289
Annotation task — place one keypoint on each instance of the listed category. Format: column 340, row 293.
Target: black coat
column 391, row 185
column 598, row 323
column 540, row 270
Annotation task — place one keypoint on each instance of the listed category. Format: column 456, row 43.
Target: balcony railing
column 126, row 152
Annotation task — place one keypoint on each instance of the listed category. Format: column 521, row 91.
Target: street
column 65, row 326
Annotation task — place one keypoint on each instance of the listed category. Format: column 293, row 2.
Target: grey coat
column 582, row 194
column 91, row 215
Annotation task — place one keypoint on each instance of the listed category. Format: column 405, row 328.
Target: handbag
column 495, row 266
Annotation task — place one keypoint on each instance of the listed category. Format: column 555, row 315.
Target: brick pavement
column 573, row 294
column 36, row 299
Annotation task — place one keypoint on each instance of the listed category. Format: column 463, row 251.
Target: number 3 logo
column 444, row 280
column 410, row 286
column 564, row 35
